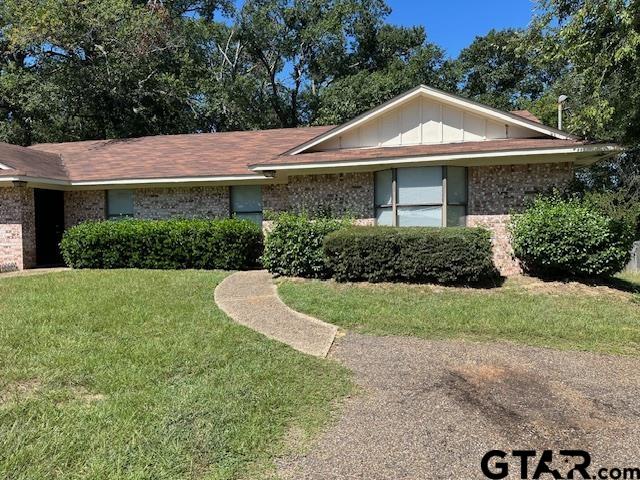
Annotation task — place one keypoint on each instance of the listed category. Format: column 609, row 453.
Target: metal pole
column 559, row 116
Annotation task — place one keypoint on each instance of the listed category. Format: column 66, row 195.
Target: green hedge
column 293, row 246
column 163, row 244
column 571, row 237
column 387, row 254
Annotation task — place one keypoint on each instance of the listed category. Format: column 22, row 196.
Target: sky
column 453, row 24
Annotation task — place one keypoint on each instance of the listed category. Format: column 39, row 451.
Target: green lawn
column 551, row 315
column 136, row 374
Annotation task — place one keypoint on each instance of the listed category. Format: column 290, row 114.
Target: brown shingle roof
column 527, row 115
column 419, row 150
column 214, row 154
column 32, row 163
column 171, row 156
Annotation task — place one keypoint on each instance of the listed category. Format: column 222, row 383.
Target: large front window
column 421, row 196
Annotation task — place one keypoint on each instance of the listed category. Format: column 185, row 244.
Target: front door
column 49, row 206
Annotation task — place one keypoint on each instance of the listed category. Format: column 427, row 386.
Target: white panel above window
column 474, row 128
column 452, row 119
column 431, row 122
column 496, row 130
column 351, row 139
column 411, row 123
column 369, row 134
column 390, row 129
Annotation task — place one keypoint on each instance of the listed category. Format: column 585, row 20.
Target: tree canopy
column 88, row 69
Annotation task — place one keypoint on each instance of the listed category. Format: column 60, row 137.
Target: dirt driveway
column 432, row 409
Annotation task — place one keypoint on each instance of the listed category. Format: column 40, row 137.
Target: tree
column 386, row 61
column 499, row 69
column 100, row 69
column 314, row 61
column 600, row 41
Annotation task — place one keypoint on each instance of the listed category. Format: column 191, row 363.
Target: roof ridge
column 173, row 135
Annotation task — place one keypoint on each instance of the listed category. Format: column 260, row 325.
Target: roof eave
column 587, row 153
column 254, row 178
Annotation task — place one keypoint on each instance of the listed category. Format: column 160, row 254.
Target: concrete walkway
column 251, row 299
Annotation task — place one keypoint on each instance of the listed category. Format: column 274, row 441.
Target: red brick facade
column 17, row 229
column 494, row 193
column 83, row 205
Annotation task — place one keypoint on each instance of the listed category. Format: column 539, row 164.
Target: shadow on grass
column 615, row 283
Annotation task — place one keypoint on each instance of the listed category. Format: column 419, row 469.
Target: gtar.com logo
column 497, row 465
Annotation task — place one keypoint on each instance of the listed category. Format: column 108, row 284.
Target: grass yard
column 136, row 374
column 564, row 316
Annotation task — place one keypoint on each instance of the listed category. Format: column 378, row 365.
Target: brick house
column 424, row 158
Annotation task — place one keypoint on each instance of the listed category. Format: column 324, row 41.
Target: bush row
column 301, row 246
column 163, row 244
column 553, row 237
column 387, row 254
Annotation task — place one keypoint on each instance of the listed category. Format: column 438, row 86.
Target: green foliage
column 440, row 255
column 294, row 245
column 556, row 237
column 617, row 206
column 228, row 244
column 393, row 61
column 75, row 70
column 499, row 70
column 600, row 42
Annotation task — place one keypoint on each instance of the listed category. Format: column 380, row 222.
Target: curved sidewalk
column 251, row 299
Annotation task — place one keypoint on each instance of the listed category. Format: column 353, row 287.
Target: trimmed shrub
column 163, row 244
column 570, row 237
column 455, row 255
column 293, row 247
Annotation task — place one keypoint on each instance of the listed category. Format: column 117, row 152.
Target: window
column 246, row 202
column 415, row 196
column 119, row 204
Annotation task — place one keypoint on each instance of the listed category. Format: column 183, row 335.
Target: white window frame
column 443, row 204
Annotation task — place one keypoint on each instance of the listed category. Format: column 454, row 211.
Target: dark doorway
column 49, row 206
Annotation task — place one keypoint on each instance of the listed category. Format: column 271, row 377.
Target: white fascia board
column 442, row 158
column 176, row 180
column 142, row 181
column 433, row 93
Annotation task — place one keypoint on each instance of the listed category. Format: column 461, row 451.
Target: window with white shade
column 246, row 202
column 421, row 196
column 119, row 204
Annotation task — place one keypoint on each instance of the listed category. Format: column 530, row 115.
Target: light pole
column 561, row 100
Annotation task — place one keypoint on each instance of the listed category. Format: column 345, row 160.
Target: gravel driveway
column 432, row 409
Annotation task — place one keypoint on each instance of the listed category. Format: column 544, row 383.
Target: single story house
column 423, row 158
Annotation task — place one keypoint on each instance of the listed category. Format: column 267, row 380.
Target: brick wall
column 497, row 191
column 17, row 228
column 159, row 203
column 494, row 193
column 83, row 205
column 337, row 194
